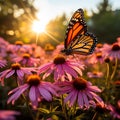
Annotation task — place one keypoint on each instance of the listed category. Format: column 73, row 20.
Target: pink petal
column 70, row 95
column 94, row 88
column 47, row 73
column 69, row 70
column 66, row 89
column 17, row 94
column 76, row 64
column 97, row 98
column 60, row 70
column 80, row 100
column 17, row 88
column 10, row 73
column 56, row 75
column 9, row 112
column 89, row 94
column 73, row 99
column 46, row 95
column 77, row 69
column 28, row 70
column 34, row 104
column 85, row 100
column 45, row 67
column 32, row 94
column 69, row 76
column 50, row 88
column 20, row 73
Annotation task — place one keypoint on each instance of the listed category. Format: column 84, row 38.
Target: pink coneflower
column 80, row 91
column 8, row 114
column 37, row 51
column 96, row 57
column 58, row 49
column 16, row 70
column 95, row 74
column 61, row 68
column 18, row 46
column 115, row 111
column 112, row 51
column 101, row 108
column 27, row 60
column 37, row 90
column 98, row 47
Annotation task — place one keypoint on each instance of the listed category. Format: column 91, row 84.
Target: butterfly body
column 67, row 51
column 77, row 39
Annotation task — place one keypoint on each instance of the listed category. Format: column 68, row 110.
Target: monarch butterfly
column 77, row 39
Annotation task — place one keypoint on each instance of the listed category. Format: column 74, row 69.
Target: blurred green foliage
column 105, row 24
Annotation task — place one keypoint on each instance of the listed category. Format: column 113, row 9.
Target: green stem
column 114, row 70
column 107, row 81
column 29, row 109
column 37, row 115
column 107, row 74
column 94, row 117
column 64, row 109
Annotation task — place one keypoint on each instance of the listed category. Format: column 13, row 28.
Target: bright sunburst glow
column 38, row 26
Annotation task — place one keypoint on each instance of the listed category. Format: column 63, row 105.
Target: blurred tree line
column 16, row 17
column 106, row 23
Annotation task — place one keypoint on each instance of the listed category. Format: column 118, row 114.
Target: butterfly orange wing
column 76, row 26
column 83, row 44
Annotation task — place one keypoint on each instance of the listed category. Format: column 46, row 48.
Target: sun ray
column 52, row 37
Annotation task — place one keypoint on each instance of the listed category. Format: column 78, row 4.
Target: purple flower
column 37, row 90
column 115, row 111
column 98, row 47
column 18, row 46
column 61, row 68
column 80, row 91
column 96, row 57
column 37, row 51
column 112, row 51
column 94, row 74
column 8, row 114
column 26, row 60
column 101, row 108
column 16, row 70
column 58, row 49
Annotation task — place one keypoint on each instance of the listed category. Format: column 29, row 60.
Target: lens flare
column 38, row 26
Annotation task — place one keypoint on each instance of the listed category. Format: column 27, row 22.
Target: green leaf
column 43, row 110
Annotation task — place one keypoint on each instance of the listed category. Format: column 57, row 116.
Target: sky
column 57, row 7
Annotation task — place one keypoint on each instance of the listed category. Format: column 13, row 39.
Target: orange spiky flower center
column 33, row 80
column 59, row 60
column 80, row 84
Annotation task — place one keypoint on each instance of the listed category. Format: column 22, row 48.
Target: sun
column 38, row 26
